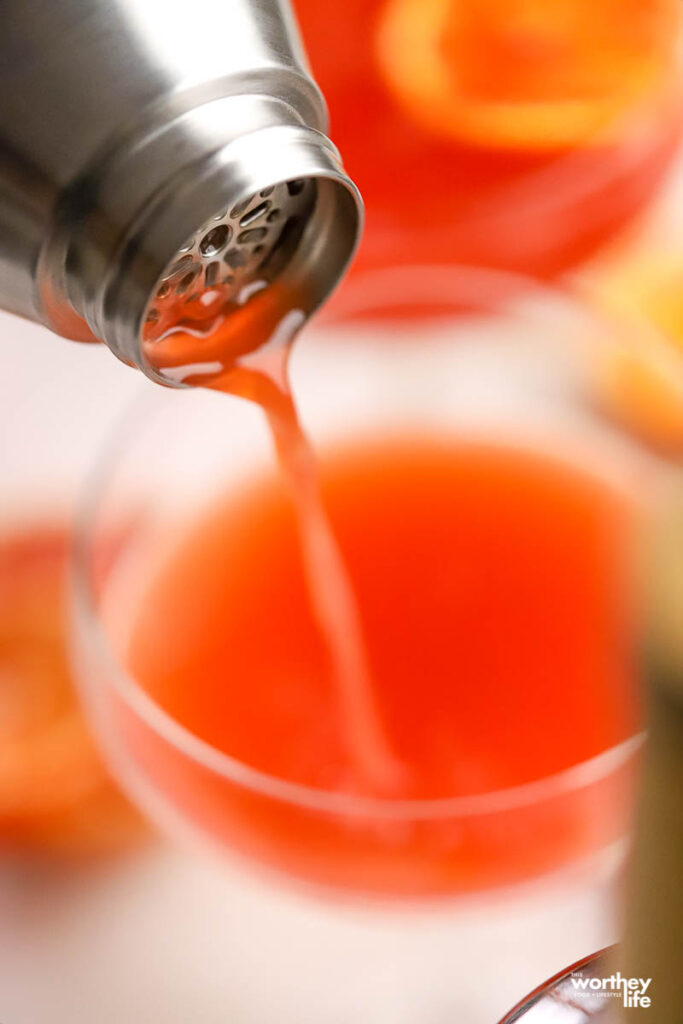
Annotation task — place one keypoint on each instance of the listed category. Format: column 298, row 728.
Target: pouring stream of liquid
column 232, row 363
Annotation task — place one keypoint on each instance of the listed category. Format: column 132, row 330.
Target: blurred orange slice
column 54, row 790
column 641, row 379
column 648, row 285
column 540, row 74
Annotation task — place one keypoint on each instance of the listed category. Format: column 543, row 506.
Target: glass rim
column 648, row 131
column 600, row 959
column 87, row 625
column 565, row 178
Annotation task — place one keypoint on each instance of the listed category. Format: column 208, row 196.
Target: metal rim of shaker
column 269, row 156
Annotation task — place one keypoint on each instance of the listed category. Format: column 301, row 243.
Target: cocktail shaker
column 158, row 160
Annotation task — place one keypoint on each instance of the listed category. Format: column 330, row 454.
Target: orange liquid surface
column 423, row 119
column 489, row 588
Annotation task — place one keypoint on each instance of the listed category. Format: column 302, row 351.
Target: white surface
column 58, row 401
column 167, row 939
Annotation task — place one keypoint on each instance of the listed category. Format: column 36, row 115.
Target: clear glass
column 456, row 352
column 562, row 1000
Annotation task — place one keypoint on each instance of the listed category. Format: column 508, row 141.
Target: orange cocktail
column 485, row 531
column 497, row 132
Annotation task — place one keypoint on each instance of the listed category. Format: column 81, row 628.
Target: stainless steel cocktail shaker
column 157, row 152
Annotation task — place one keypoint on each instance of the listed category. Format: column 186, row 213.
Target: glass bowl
column 489, row 360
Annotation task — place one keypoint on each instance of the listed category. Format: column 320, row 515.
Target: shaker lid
column 236, row 254
column 265, row 219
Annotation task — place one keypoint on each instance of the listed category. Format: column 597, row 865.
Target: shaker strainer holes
column 186, row 282
column 254, row 214
column 239, row 208
column 252, row 235
column 214, row 240
column 153, row 316
column 265, row 192
column 235, row 259
column 273, row 215
column 212, row 274
column 163, row 290
column 295, row 187
column 178, row 267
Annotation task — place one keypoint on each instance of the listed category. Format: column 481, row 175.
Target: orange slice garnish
column 540, row 74
column 54, row 790
column 641, row 378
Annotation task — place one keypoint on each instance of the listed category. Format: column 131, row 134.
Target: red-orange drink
column 490, row 591
column 501, row 133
